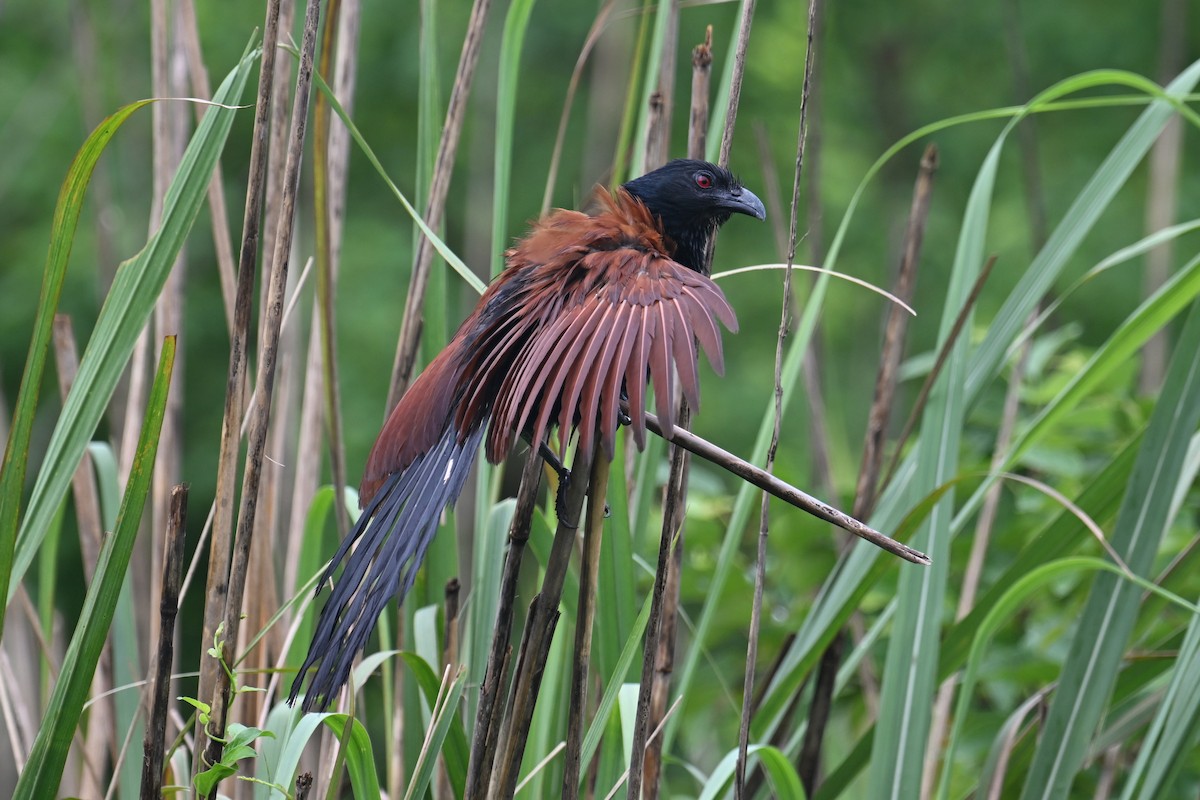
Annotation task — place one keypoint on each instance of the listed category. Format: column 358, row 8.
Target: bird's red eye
column 704, row 180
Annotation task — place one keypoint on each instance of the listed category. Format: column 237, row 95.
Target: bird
column 590, row 307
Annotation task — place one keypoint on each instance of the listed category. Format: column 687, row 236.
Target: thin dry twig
column 785, row 491
column 153, row 748
column 760, row 564
column 235, row 391
column 439, row 186
column 261, row 411
column 866, row 491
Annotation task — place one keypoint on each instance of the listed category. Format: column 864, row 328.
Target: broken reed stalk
column 261, row 412
column 789, row 494
column 154, row 744
column 942, row 357
column 760, row 563
column 216, row 587
column 589, row 572
column 867, row 490
column 535, row 644
column 487, row 727
column 439, row 187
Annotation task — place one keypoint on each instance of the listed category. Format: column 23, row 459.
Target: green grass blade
column 1003, row 611
column 1108, row 618
column 62, row 237
column 1080, row 218
column 43, row 772
column 516, row 22
column 134, row 292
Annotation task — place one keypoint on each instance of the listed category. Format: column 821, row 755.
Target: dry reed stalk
column 100, row 731
column 677, row 481
column 589, row 572
column 538, row 635
column 216, row 586
column 410, row 325
column 760, row 563
column 261, row 411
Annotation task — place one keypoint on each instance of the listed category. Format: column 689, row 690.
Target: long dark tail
column 395, row 530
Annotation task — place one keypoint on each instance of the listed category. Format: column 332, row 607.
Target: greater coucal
column 589, row 307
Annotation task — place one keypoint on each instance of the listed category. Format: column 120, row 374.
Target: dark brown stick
column 154, row 745
column 487, row 726
column 589, row 572
column 785, row 491
column 260, row 414
column 866, row 492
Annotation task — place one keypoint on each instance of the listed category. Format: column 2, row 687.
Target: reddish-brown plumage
column 588, row 303
column 590, row 307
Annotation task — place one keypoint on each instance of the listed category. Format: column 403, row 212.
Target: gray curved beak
column 744, row 201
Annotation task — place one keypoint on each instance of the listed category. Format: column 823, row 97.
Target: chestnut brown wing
column 632, row 317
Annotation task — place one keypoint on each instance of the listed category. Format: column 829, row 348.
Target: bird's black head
column 692, row 199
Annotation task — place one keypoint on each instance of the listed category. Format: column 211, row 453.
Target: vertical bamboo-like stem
column 539, row 633
column 439, row 187
column 487, row 726
column 154, row 746
column 264, row 387
column 588, row 577
column 217, row 585
column 867, row 489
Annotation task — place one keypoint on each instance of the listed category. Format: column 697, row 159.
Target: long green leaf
column 1111, row 610
column 43, row 772
column 62, row 237
column 130, row 300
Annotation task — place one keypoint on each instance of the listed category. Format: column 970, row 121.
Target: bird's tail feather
column 393, row 534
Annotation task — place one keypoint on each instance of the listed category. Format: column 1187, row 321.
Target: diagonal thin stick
column 539, row 633
column 172, row 574
column 710, row 452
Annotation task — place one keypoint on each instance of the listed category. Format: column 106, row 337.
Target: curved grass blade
column 43, row 772
column 130, row 300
